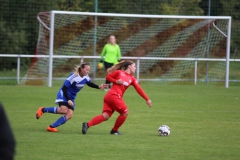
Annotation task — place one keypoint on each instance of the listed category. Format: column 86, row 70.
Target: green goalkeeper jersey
column 111, row 53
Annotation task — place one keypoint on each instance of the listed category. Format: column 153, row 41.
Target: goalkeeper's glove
column 100, row 65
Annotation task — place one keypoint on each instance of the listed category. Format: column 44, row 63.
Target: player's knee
column 125, row 114
column 106, row 116
column 62, row 110
column 68, row 116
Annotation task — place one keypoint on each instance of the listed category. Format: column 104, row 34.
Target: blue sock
column 59, row 122
column 50, row 110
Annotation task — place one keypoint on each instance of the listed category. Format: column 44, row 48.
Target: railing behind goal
column 85, row 34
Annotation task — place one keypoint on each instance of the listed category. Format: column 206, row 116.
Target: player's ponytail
column 120, row 66
column 78, row 68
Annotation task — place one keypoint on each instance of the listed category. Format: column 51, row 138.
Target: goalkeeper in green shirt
column 110, row 55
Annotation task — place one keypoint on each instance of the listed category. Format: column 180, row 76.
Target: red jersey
column 128, row 79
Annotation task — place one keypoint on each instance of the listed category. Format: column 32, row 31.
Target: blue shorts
column 61, row 100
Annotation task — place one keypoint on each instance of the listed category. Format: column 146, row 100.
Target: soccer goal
column 167, row 48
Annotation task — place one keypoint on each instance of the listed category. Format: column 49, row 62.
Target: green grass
column 234, row 71
column 204, row 122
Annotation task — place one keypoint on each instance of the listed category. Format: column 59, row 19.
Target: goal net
column 177, row 40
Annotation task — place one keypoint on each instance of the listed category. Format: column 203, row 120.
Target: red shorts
column 114, row 102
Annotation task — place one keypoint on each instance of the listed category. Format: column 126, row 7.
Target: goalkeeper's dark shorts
column 108, row 65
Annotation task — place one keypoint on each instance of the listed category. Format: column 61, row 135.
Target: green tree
column 75, row 5
column 19, row 25
column 216, row 7
column 181, row 7
column 232, row 8
column 159, row 7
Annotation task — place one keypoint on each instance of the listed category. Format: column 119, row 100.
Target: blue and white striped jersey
column 75, row 84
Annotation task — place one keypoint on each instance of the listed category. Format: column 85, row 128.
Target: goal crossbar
column 139, row 15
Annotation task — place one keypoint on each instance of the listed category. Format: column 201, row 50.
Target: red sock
column 119, row 121
column 96, row 120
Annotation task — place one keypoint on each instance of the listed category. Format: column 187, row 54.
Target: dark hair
column 126, row 64
column 83, row 64
column 123, row 65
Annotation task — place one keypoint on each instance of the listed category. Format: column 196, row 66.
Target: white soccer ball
column 163, row 130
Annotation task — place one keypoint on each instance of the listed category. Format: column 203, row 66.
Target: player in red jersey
column 121, row 75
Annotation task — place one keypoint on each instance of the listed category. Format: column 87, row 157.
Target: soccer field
column 204, row 122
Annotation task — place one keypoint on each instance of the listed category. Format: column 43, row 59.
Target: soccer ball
column 163, row 130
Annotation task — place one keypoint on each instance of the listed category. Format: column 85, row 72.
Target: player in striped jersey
column 121, row 75
column 67, row 94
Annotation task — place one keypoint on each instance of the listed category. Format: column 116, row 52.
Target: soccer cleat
column 50, row 129
column 39, row 112
column 84, row 127
column 115, row 132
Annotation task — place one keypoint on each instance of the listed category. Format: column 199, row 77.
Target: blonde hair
column 123, row 65
column 78, row 68
column 109, row 40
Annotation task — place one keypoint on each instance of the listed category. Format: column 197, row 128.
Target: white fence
column 138, row 61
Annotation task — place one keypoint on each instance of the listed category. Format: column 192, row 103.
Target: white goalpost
column 165, row 47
